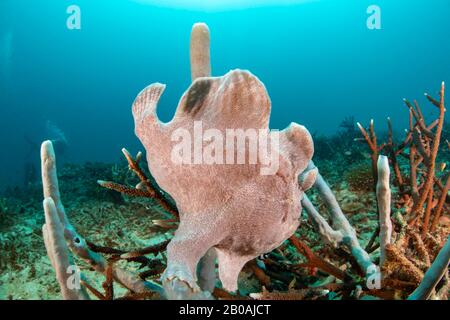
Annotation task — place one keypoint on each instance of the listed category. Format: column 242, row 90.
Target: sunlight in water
column 218, row 5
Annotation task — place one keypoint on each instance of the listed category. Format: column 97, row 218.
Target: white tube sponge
column 200, row 51
column 50, row 187
column 58, row 227
column 433, row 275
column 201, row 67
column 341, row 224
column 384, row 205
column 58, row 253
column 50, row 179
column 326, row 232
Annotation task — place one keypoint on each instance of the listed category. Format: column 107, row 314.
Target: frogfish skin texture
column 232, row 208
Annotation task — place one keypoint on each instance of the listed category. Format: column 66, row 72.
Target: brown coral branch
column 419, row 111
column 152, row 272
column 433, row 154
column 262, row 277
column 419, row 144
column 148, row 189
column 103, row 249
column 147, row 250
column 423, row 127
column 153, row 192
column 370, row 245
column 108, row 284
column 408, row 137
column 155, row 248
column 432, row 100
column 414, row 163
column 390, row 147
column 316, row 261
column 222, row 294
column 134, row 256
column 132, row 192
column 134, row 165
column 440, row 204
column 400, row 285
column 426, row 219
column 372, row 143
column 94, row 291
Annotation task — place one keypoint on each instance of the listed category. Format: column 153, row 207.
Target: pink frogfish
column 239, row 209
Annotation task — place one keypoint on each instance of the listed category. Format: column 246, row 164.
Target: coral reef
column 141, row 232
column 227, row 223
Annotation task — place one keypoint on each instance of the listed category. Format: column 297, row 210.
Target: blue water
column 318, row 60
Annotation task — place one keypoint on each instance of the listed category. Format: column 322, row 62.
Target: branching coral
column 423, row 196
column 425, row 185
column 144, row 189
